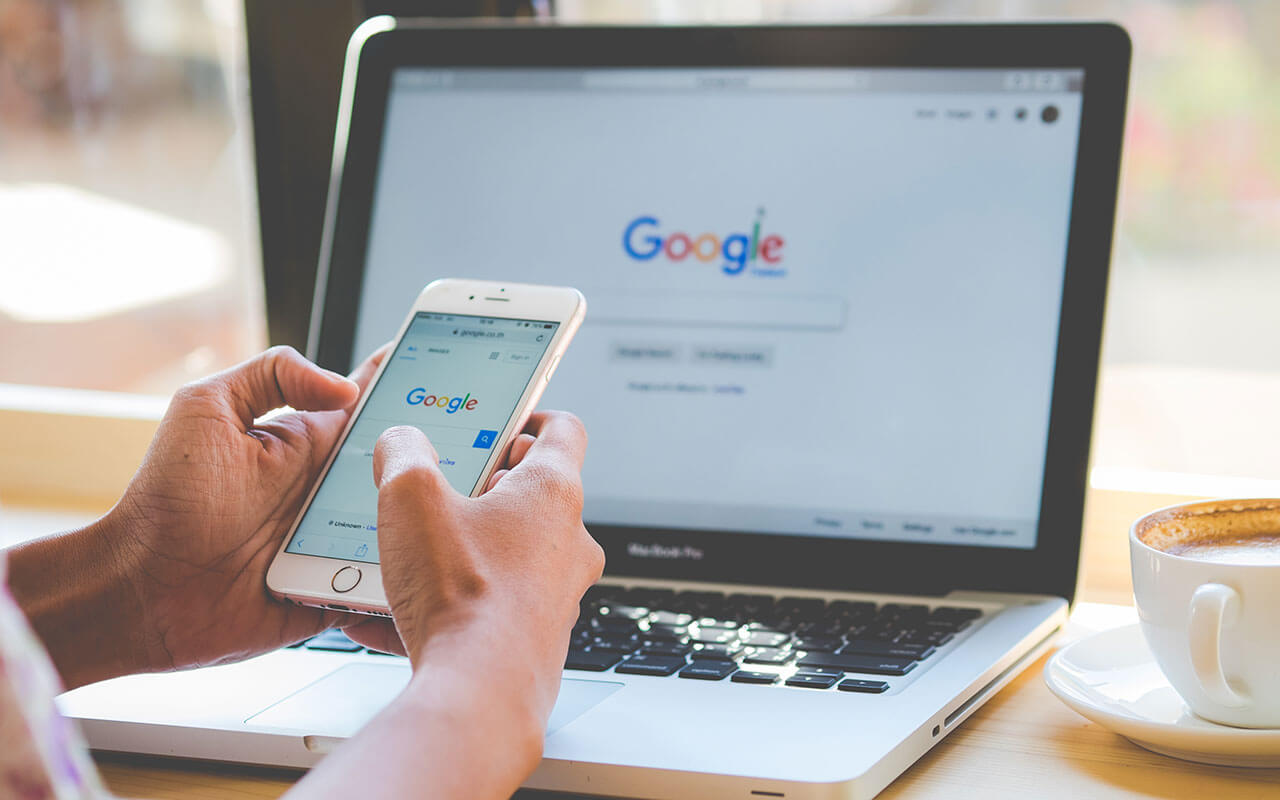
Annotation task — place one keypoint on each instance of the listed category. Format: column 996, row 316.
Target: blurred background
column 132, row 182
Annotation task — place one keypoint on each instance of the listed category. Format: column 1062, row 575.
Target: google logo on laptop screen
column 644, row 240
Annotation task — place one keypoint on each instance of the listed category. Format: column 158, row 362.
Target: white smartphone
column 467, row 368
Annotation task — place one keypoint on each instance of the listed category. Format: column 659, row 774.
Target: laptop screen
column 821, row 302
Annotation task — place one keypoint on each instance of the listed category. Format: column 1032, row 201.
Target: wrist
column 479, row 668
column 77, row 591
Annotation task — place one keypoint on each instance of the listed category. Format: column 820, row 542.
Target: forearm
column 78, row 595
column 464, row 729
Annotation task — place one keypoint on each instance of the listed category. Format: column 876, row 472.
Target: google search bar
column 440, row 436
column 679, row 309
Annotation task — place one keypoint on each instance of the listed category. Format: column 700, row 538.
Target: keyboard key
column 750, row 601
column 765, row 638
column 601, row 592
column 669, row 619
column 648, row 597
column 334, row 641
column 699, row 604
column 652, row 648
column 900, row 610
column 746, row 676
column 822, row 627
column 872, row 665
column 616, row 649
column 931, row 638
column 823, row 671
column 850, row 608
column 802, row 608
column 899, row 618
column 615, row 643
column 614, row 625
column 867, row 687
column 956, row 613
column 749, row 606
column 623, row 611
column 772, row 656
column 590, row 661
column 867, row 647
column 881, row 634
column 709, row 670
column 947, row 625
column 712, row 623
column 824, row 644
column 651, row 665
column 667, row 632
column 812, row 680
column 716, row 652
column 713, row 635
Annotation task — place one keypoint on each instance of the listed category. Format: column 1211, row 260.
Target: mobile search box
column 441, row 436
column 794, row 312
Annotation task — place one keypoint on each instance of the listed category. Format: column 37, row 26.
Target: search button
column 485, row 439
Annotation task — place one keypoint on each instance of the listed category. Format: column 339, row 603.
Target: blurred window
column 129, row 258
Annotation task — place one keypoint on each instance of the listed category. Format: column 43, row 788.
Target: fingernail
column 335, row 376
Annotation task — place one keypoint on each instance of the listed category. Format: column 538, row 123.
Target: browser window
column 822, row 302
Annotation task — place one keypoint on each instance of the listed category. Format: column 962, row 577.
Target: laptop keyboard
column 745, row 638
column 757, row 638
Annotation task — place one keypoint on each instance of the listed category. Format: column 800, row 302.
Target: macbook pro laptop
column 846, row 290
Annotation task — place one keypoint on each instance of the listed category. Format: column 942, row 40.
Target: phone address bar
column 796, row 312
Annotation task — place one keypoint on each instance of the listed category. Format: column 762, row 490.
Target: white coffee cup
column 1213, row 627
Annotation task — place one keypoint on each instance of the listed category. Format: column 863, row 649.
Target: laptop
column 846, row 288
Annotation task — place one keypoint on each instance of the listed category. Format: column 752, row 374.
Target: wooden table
column 1022, row 744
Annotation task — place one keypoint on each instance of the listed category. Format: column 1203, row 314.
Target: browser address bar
column 679, row 309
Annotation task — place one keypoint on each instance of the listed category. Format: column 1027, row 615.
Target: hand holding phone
column 519, row 556
column 467, row 368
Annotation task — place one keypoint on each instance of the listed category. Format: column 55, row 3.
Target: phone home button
column 345, row 579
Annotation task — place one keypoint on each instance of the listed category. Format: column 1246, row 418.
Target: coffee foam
column 1214, row 530
column 1255, row 550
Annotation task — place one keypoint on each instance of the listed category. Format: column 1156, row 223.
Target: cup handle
column 1213, row 607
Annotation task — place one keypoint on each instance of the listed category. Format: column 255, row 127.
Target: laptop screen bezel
column 1101, row 50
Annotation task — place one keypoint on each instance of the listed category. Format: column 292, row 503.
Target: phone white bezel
column 308, row 580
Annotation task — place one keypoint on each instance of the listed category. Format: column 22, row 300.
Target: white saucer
column 1112, row 679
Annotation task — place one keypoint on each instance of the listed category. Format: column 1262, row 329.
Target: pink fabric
column 42, row 756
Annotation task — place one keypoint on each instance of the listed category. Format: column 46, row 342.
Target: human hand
column 218, row 489
column 509, row 566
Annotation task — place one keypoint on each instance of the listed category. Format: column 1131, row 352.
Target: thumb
column 404, row 455
column 280, row 377
column 411, row 489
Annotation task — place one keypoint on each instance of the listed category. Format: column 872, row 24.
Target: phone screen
column 455, row 377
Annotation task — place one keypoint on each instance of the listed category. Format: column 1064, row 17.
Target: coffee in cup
column 1260, row 549
column 1206, row 580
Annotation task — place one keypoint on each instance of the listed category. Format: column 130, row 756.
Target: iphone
column 467, row 368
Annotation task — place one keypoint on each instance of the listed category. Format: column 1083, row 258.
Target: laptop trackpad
column 341, row 702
